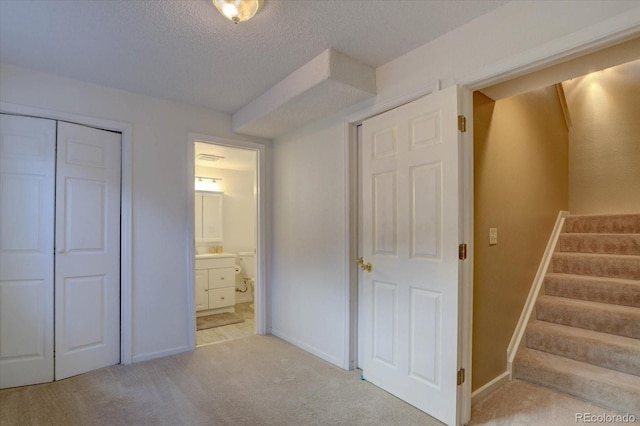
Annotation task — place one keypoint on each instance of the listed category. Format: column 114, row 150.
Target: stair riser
column 616, row 224
column 623, row 244
column 618, row 323
column 600, row 393
column 595, row 291
column 615, row 267
column 624, row 359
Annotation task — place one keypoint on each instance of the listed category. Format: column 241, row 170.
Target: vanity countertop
column 214, row 255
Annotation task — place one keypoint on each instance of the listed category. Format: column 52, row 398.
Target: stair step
column 602, row 317
column 599, row 265
column 621, row 223
column 602, row 349
column 625, row 244
column 594, row 289
column 602, row 386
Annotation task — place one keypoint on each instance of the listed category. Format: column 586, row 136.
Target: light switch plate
column 493, row 236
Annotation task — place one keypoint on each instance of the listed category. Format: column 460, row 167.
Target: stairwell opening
column 527, row 168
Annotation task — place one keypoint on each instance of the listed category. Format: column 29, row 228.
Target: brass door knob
column 364, row 266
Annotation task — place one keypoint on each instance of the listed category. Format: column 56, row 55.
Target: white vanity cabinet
column 208, row 216
column 215, row 283
column 202, row 289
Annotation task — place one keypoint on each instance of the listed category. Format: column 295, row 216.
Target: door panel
column 410, row 235
column 84, row 307
column 385, row 325
column 221, row 297
column 385, row 222
column 426, row 205
column 27, row 173
column 424, row 329
column 85, row 209
column 202, row 288
column 87, row 250
column 221, row 277
column 212, row 217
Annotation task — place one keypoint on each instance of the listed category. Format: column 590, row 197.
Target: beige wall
column 604, row 141
column 521, row 182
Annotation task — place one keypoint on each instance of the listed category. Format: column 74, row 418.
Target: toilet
column 247, row 261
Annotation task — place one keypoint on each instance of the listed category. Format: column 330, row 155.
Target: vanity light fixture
column 207, row 184
column 238, row 10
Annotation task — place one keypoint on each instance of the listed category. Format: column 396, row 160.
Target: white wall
column 160, row 191
column 239, row 207
column 308, row 258
column 309, row 279
column 510, row 35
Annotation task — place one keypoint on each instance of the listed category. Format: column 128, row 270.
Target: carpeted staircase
column 585, row 340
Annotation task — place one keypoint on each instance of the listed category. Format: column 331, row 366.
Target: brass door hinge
column 462, row 123
column 462, row 251
column 460, row 376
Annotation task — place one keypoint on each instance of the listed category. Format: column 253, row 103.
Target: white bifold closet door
column 27, row 197
column 87, row 277
column 60, row 250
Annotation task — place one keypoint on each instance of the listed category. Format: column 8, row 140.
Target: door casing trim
column 261, row 325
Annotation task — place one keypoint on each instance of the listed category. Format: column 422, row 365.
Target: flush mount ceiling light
column 238, row 10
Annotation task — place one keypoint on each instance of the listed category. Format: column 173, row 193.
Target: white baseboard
column 243, row 298
column 308, row 348
column 160, row 354
column 484, row 391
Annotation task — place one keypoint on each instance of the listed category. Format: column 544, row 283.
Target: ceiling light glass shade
column 238, row 10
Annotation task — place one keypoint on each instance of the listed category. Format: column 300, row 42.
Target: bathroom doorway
column 227, row 281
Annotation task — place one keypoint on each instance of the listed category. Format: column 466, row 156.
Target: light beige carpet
column 218, row 320
column 527, row 404
column 258, row 380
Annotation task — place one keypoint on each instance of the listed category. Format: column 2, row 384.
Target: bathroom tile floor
column 228, row 332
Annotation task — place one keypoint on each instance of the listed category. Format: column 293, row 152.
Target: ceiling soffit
column 329, row 82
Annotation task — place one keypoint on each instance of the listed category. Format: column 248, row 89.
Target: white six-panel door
column 79, row 191
column 408, row 309
column 27, row 183
column 87, row 278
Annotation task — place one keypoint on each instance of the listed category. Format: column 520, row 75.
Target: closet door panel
column 27, row 174
column 87, row 250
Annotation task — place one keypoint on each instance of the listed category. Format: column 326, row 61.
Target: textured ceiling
column 187, row 52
